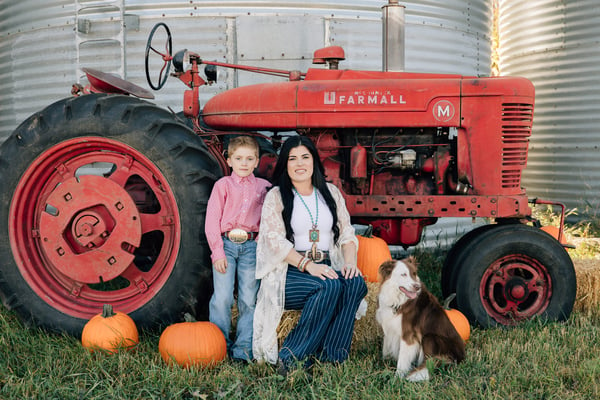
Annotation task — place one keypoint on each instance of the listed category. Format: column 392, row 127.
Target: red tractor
column 104, row 194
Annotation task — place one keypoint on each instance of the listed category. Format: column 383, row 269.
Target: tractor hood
column 339, row 99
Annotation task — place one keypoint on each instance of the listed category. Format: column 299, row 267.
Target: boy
column 232, row 221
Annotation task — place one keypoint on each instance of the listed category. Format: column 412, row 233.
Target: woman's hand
column 322, row 271
column 350, row 271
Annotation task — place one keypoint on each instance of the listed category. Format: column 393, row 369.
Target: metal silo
column 555, row 44
column 44, row 45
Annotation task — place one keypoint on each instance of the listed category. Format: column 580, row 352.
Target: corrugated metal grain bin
column 555, row 44
column 45, row 44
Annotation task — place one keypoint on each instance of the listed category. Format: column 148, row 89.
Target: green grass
column 534, row 361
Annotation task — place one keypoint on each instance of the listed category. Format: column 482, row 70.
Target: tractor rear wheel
column 513, row 273
column 103, row 201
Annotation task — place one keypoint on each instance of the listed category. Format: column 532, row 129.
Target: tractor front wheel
column 454, row 258
column 514, row 273
column 103, row 201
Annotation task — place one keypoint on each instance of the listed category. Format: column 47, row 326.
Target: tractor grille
column 516, row 129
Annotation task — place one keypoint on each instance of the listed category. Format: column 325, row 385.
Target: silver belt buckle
column 237, row 235
column 317, row 257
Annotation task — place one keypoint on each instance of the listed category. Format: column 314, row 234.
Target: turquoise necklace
column 313, row 233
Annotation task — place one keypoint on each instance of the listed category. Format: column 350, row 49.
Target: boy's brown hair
column 242, row 141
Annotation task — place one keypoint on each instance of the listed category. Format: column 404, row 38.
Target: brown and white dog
column 415, row 326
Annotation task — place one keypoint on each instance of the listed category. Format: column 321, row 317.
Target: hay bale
column 289, row 319
column 366, row 329
column 587, row 301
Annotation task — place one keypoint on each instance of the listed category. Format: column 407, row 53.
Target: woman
column 306, row 260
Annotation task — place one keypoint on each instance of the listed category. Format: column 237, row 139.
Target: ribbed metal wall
column 39, row 60
column 555, row 43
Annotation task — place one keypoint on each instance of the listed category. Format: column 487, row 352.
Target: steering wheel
column 166, row 57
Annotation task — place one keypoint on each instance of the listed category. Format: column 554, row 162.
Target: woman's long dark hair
column 282, row 179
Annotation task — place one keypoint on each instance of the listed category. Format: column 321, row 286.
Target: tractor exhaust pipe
column 393, row 36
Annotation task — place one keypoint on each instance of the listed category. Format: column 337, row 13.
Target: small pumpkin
column 555, row 232
column 110, row 331
column 372, row 252
column 458, row 319
column 192, row 343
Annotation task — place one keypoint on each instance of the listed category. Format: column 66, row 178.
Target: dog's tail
column 449, row 350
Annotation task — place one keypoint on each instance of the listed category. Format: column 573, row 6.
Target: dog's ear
column 411, row 260
column 385, row 269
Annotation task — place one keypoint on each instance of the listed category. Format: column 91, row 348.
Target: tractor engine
column 391, row 161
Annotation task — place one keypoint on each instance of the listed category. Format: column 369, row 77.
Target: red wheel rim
column 82, row 239
column 515, row 288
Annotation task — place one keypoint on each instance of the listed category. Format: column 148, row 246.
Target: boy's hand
column 220, row 265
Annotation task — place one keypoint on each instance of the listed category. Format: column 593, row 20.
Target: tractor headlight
column 181, row 60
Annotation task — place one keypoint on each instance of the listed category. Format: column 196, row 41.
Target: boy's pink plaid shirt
column 234, row 203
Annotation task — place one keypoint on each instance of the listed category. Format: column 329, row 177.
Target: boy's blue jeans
column 241, row 262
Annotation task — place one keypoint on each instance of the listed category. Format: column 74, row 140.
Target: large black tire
column 131, row 235
column 514, row 273
column 454, row 259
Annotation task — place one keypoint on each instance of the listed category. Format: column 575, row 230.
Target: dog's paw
column 401, row 373
column 419, row 375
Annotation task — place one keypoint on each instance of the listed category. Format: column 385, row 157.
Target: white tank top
column 301, row 221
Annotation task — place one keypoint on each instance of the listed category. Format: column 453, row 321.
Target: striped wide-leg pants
column 326, row 324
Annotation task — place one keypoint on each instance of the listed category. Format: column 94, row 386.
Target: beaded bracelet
column 302, row 263
column 308, row 261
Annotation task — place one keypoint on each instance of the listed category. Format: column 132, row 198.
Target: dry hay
column 366, row 329
column 587, row 301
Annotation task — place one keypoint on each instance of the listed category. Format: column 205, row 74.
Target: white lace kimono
column 271, row 268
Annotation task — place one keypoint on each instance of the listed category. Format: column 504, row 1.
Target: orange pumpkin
column 110, row 331
column 555, row 232
column 458, row 319
column 192, row 343
column 372, row 251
